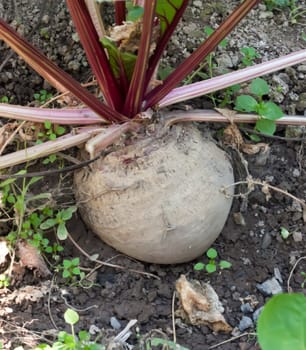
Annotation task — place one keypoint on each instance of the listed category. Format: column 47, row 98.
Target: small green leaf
column 47, row 125
column 266, row 126
column 75, row 261
column 66, row 214
column 282, row 323
column 60, row 130
column 7, row 182
column 66, row 274
column 210, row 268
column 271, row 111
column 259, row 87
column 76, row 271
column 199, row 266
column 94, row 257
column 212, row 253
column 48, row 224
column 225, row 264
column 67, row 263
column 246, row 103
column 134, row 12
column 284, row 233
column 84, row 336
column 62, row 232
column 71, row 317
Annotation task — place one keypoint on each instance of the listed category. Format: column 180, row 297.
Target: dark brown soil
column 255, row 248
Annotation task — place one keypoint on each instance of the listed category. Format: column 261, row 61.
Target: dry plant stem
column 11, row 137
column 44, row 149
column 49, row 303
column 289, row 289
column 173, row 317
column 63, row 94
column 231, row 339
column 104, row 263
column 78, row 309
column 214, row 116
column 251, row 182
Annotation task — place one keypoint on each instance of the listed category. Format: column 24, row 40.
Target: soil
column 251, row 239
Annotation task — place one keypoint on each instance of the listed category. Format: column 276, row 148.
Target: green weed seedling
column 276, row 4
column 212, row 265
column 42, row 96
column 4, row 281
column 51, row 132
column 73, row 341
column 59, row 222
column 267, row 110
column 71, row 270
column 249, row 56
column 4, row 99
column 16, row 202
column 284, row 233
column 303, row 274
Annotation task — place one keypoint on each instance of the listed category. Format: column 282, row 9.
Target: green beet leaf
column 259, row 87
column 166, row 11
column 246, row 103
column 282, row 323
column 266, row 126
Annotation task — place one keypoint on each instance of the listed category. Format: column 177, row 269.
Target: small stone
column 198, row 4
column 246, row 308
column 245, row 323
column 75, row 37
column 270, row 287
column 224, row 61
column 266, row 15
column 301, row 105
column 302, row 68
column 295, row 131
column 256, row 313
column 296, row 173
column 266, row 240
column 74, row 65
column 115, row 323
column 297, row 236
column 278, row 275
column 239, row 219
column 45, row 19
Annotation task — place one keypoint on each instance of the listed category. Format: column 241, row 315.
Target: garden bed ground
column 251, row 238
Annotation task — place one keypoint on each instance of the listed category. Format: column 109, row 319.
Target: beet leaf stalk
column 127, row 87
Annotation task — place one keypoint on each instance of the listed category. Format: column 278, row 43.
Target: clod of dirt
column 200, row 305
column 30, row 258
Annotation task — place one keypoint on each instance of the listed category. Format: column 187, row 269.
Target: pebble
column 245, row 323
column 302, row 68
column 256, row 313
column 115, row 323
column 266, row 240
column 270, row 287
column 297, row 236
column 246, row 308
column 266, row 15
column 278, row 275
